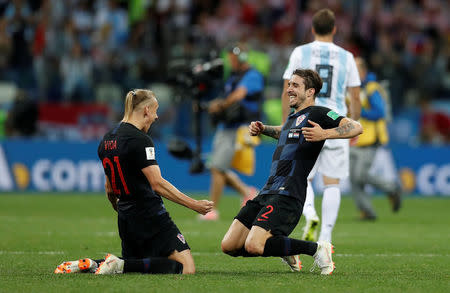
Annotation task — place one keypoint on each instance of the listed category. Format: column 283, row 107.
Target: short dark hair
column 323, row 22
column 311, row 79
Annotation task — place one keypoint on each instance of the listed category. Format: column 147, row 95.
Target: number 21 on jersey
column 107, row 163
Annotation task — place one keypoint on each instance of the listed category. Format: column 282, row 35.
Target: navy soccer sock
column 283, row 246
column 153, row 265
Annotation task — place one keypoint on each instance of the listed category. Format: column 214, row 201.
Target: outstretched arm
column 347, row 128
column 166, row 189
column 256, row 128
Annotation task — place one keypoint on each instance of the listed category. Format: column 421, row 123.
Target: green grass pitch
column 404, row 252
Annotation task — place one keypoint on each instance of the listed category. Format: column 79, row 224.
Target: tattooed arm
column 257, row 128
column 272, row 131
column 347, row 128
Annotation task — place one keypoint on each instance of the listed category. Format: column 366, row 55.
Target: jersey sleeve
column 326, row 117
column 142, row 152
column 252, row 81
column 353, row 75
column 293, row 64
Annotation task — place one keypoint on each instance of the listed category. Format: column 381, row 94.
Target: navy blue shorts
column 149, row 236
column 278, row 214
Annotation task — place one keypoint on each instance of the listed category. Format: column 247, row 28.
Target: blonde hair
column 134, row 99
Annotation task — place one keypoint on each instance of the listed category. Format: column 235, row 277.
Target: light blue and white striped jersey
column 335, row 65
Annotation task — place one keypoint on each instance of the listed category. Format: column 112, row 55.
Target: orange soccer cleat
column 85, row 265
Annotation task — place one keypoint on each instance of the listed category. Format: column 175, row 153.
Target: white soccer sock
column 308, row 209
column 330, row 208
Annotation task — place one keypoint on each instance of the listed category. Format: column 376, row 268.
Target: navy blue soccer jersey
column 124, row 152
column 294, row 157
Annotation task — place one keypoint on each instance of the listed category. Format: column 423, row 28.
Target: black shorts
column 278, row 214
column 149, row 236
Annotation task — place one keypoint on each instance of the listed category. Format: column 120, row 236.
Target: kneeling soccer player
column 151, row 242
column 263, row 224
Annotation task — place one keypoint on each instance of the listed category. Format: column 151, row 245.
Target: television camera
column 194, row 82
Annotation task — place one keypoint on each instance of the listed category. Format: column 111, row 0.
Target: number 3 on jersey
column 326, row 73
column 107, row 162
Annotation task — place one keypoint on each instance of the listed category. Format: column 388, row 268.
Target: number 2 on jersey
column 326, row 73
column 107, row 161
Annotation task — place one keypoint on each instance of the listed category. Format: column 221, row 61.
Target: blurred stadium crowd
column 65, row 66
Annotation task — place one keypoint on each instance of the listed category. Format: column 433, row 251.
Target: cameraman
column 244, row 95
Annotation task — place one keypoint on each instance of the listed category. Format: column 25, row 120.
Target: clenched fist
column 203, row 206
column 255, row 128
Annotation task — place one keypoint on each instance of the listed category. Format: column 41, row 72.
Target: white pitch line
column 391, row 255
column 352, row 255
column 219, row 253
column 31, row 252
column 64, row 233
column 107, row 234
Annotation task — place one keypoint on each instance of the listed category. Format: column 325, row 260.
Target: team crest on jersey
column 300, row 119
column 181, row 238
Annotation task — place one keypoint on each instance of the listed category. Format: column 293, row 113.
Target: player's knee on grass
column 227, row 245
column 254, row 247
column 188, row 264
column 256, row 240
column 185, row 258
column 189, row 268
column 233, row 241
column 230, row 248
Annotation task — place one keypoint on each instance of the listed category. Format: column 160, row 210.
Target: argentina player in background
column 339, row 74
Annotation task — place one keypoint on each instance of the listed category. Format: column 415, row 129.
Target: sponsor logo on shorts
column 181, row 238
